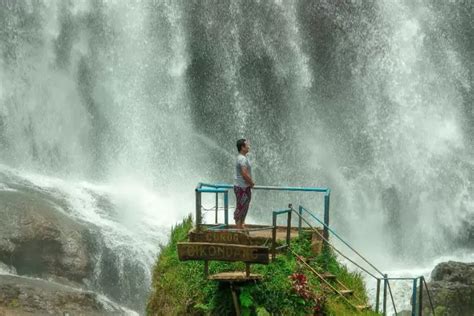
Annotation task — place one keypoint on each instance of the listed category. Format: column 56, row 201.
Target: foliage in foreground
column 179, row 288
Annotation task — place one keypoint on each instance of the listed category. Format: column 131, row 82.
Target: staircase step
column 328, row 276
column 235, row 276
column 346, row 292
column 363, row 307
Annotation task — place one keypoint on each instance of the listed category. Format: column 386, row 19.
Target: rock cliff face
column 452, row 289
column 39, row 239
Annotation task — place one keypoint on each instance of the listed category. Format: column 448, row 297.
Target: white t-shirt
column 241, row 161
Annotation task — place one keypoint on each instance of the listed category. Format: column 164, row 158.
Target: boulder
column 452, row 289
column 37, row 239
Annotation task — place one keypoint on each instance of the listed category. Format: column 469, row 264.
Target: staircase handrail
column 341, row 239
column 427, row 291
column 338, row 251
column 267, row 187
column 332, row 246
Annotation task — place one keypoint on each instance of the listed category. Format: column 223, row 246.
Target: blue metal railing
column 224, row 189
column 267, row 187
column 385, row 278
column 417, row 295
column 301, row 209
column 274, row 230
column 415, row 307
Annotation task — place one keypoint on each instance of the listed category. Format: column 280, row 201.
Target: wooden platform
column 235, row 276
column 281, row 233
column 259, row 236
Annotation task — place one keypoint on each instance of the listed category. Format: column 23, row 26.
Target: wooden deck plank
column 235, row 276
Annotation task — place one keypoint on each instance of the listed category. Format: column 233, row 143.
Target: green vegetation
column 288, row 288
column 13, row 303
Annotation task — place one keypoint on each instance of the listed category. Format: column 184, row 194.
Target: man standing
column 243, row 183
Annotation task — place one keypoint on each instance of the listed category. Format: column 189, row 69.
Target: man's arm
column 247, row 177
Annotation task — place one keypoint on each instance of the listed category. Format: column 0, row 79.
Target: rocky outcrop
column 452, row 289
column 27, row 296
column 36, row 239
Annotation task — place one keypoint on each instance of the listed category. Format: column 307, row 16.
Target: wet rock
column 124, row 280
column 39, row 239
column 451, row 289
column 6, row 269
column 36, row 239
column 27, row 296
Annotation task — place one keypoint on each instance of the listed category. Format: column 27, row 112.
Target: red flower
column 301, row 287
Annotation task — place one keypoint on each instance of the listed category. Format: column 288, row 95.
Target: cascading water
column 94, row 114
column 120, row 108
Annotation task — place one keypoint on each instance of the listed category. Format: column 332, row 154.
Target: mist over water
column 146, row 98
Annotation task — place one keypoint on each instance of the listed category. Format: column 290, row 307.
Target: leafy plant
column 311, row 299
column 245, row 298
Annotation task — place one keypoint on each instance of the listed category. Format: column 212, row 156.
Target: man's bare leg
column 244, row 230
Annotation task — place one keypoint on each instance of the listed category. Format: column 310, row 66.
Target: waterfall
column 135, row 102
column 94, row 114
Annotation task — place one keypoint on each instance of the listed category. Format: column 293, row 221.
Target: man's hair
column 240, row 144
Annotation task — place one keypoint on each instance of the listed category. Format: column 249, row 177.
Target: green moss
column 440, row 311
column 179, row 288
column 14, row 303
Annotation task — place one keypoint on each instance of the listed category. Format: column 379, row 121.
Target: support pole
column 274, row 233
column 420, row 303
column 226, row 208
column 413, row 305
column 234, row 298
column 300, row 220
column 377, row 296
column 198, row 210
column 217, row 207
column 288, row 227
column 326, row 217
column 385, row 285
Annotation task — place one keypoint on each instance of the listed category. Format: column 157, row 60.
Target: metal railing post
column 217, row 207
column 420, row 304
column 226, row 207
column 413, row 305
column 377, row 296
column 326, row 215
column 300, row 220
column 288, row 227
column 198, row 209
column 428, row 293
column 274, row 232
column 385, row 284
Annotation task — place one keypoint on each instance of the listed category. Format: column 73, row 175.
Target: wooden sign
column 222, row 252
column 221, row 237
